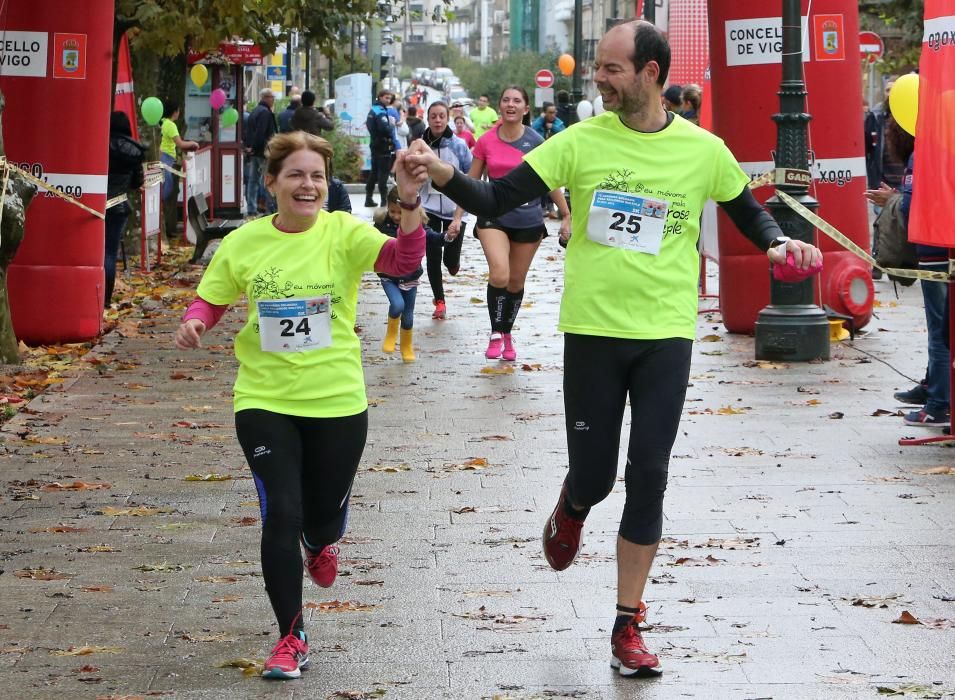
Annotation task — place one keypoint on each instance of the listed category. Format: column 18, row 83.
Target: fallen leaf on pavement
column 38, row 440
column 138, row 511
column 216, row 579
column 250, row 667
column 85, row 651
column 74, row 486
column 873, row 601
column 60, row 528
column 501, row 369
column 97, row 589
column 41, row 574
column 906, row 618
column 391, row 468
column 341, row 606
column 950, row 471
column 161, row 567
column 227, row 599
column 208, row 477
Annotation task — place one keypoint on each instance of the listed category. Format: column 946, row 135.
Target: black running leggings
column 599, row 373
column 303, row 470
column 449, row 250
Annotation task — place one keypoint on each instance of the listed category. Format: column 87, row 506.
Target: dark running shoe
column 925, row 418
column 562, row 539
column 916, row 396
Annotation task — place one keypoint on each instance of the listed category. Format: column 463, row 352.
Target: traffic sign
column 870, row 46
column 544, row 78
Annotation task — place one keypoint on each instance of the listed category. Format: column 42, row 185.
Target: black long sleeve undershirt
column 522, row 184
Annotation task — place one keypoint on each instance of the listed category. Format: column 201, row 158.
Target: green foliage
column 168, row 27
column 901, row 20
column 347, row 160
column 491, row 79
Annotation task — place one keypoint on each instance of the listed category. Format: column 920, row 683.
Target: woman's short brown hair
column 281, row 146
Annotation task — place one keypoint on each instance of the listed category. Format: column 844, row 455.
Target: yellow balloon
column 904, row 101
column 199, row 75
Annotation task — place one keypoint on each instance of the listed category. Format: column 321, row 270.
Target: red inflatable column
column 55, row 70
column 745, row 47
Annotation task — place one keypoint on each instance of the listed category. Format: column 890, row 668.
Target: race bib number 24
column 294, row 325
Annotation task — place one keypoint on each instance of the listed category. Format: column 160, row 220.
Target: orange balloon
column 566, row 64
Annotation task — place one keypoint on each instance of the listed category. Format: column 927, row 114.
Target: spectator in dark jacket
column 261, row 127
column 125, row 173
column 285, row 116
column 416, row 125
column 308, row 118
column 565, row 110
column 337, row 199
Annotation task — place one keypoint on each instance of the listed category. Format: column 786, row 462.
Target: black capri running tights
column 599, row 373
column 303, row 470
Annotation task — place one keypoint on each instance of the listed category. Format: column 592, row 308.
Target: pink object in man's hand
column 790, row 273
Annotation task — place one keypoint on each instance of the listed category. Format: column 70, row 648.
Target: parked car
column 442, row 78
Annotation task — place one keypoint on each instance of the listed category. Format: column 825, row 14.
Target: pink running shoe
column 288, row 657
column 494, row 347
column 322, row 566
column 509, row 353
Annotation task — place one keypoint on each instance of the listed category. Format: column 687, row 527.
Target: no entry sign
column 544, row 78
column 870, row 46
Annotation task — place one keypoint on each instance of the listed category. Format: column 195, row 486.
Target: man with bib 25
column 629, row 304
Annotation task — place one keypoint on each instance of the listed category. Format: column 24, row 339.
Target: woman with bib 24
column 301, row 413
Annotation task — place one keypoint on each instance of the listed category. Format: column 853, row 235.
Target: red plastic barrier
column 745, row 46
column 55, row 70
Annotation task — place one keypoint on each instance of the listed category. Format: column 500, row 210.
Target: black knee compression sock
column 496, row 307
column 511, row 306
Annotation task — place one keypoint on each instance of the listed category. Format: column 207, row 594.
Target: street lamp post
column 577, row 92
column 650, row 11
column 792, row 327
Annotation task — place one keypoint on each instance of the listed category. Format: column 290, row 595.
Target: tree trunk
column 17, row 197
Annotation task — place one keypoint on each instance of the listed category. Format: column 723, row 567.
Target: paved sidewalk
column 793, row 538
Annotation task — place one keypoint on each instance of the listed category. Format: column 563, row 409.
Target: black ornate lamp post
column 792, row 328
column 577, row 89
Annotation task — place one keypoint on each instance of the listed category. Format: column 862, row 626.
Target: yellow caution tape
column 781, row 175
column 160, row 164
column 49, row 188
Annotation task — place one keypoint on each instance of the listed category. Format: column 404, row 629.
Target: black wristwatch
column 780, row 240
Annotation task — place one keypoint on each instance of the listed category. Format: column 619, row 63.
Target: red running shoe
column 322, row 566
column 440, row 309
column 629, row 654
column 288, row 657
column 561, row 535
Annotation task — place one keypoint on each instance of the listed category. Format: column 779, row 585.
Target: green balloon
column 230, row 117
column 151, row 110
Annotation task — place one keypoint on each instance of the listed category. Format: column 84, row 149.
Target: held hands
column 189, row 333
column 794, row 261
column 409, row 179
column 453, row 229
column 421, row 160
column 880, row 196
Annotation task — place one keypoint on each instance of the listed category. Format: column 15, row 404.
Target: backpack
column 892, row 241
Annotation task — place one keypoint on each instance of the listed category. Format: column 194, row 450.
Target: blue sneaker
column 923, row 417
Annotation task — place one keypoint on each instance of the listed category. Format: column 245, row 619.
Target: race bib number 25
column 623, row 220
column 294, row 325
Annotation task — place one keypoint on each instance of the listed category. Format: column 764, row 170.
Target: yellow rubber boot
column 407, row 349
column 391, row 335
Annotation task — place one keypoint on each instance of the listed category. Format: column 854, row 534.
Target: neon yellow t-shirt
column 626, row 293
column 483, row 119
column 169, row 133
column 263, row 263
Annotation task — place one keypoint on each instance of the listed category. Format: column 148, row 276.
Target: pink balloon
column 217, row 98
